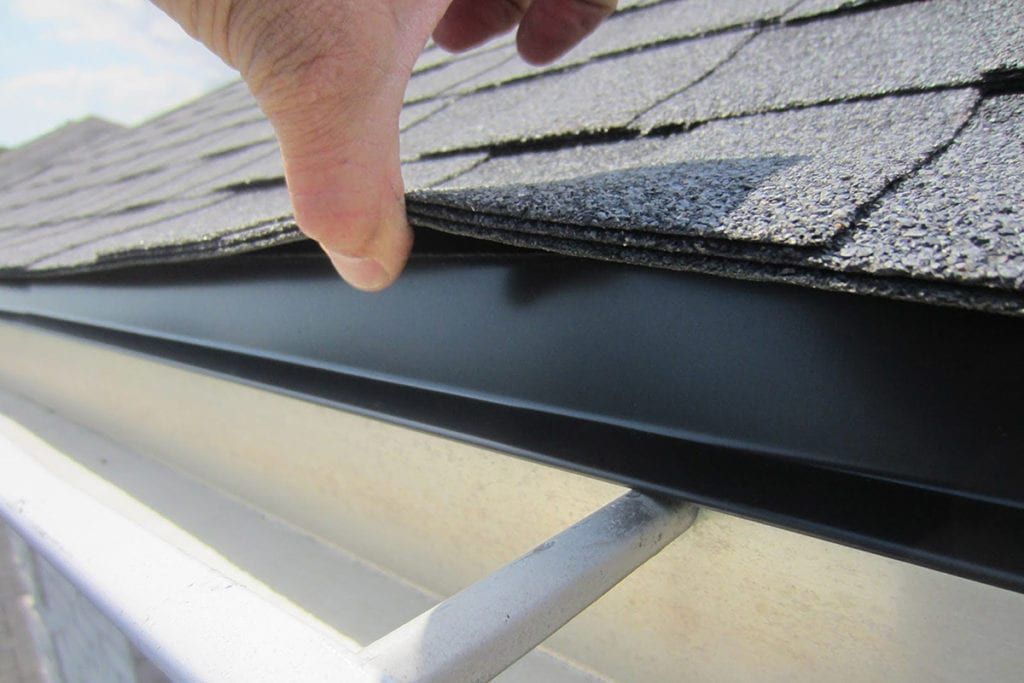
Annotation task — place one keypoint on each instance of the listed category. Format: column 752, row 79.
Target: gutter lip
column 157, row 594
column 959, row 530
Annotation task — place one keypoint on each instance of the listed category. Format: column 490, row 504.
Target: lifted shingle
column 794, row 178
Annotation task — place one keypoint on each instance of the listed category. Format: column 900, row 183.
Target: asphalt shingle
column 912, row 46
column 960, row 219
column 444, row 78
column 541, row 108
column 864, row 146
column 653, row 24
column 53, row 147
column 177, row 230
column 793, row 178
column 813, row 8
column 21, row 248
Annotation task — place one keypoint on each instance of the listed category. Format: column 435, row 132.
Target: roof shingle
column 865, row 146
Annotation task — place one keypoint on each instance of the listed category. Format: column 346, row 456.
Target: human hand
column 331, row 76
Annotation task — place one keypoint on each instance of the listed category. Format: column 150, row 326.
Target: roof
column 874, row 147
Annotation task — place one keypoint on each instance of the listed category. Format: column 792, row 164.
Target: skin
column 331, row 75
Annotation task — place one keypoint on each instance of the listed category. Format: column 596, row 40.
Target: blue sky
column 120, row 59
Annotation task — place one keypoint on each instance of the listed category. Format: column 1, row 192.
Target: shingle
column 171, row 248
column 900, row 288
column 961, row 218
column 416, row 174
column 431, row 57
column 266, row 167
column 214, row 135
column 419, row 175
column 186, row 177
column 813, row 8
column 49, row 158
column 412, row 114
column 810, row 149
column 190, row 169
column 210, row 226
column 427, row 84
column 434, row 55
column 590, row 98
column 662, row 22
column 16, row 164
column 633, row 4
column 21, row 248
column 906, row 47
column 101, row 175
column 204, row 224
column 793, row 178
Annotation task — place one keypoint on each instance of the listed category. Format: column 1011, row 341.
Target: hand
column 331, row 75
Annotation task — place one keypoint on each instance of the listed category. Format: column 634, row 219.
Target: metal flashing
column 888, row 426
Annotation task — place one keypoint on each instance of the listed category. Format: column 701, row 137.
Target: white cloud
column 125, row 92
column 136, row 25
column 125, row 61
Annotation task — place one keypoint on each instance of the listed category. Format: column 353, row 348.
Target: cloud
column 120, row 59
column 134, row 25
column 123, row 93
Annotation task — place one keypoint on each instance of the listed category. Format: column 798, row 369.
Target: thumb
column 333, row 95
column 341, row 162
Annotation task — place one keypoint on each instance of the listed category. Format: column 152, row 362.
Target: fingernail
column 362, row 273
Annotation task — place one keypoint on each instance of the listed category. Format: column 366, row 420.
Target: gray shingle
column 912, row 46
column 141, row 152
column 418, row 111
column 784, row 178
column 813, row 8
column 210, row 226
column 984, row 299
column 434, row 56
column 42, row 158
column 193, row 225
column 416, row 174
column 961, row 218
column 22, row 248
column 419, row 175
column 159, row 174
column 438, row 81
column 590, row 98
column 633, row 4
column 665, row 21
column 818, row 155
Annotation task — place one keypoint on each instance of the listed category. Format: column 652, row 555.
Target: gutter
column 198, row 624
column 887, row 426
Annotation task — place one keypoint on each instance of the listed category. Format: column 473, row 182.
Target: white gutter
column 194, row 623
column 197, row 624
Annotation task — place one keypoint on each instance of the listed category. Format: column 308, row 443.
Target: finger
column 336, row 119
column 551, row 28
column 468, row 23
column 334, row 99
column 330, row 76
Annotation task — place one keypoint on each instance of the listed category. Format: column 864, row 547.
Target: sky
column 122, row 60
